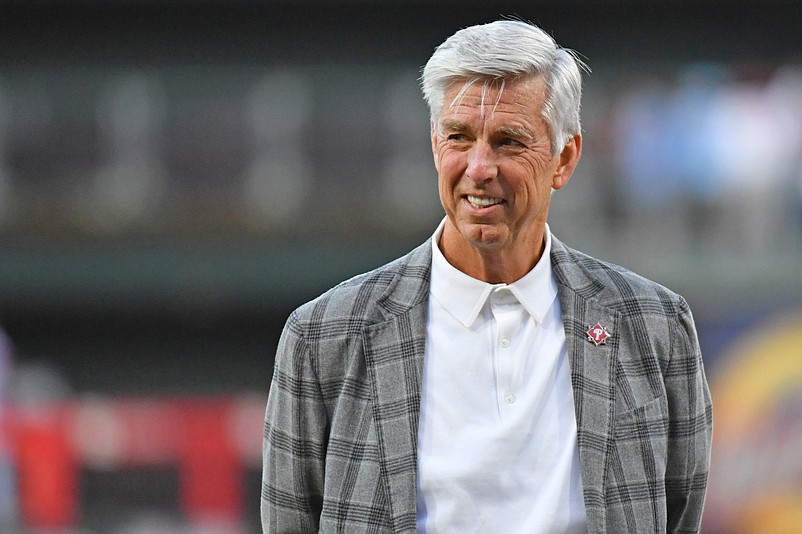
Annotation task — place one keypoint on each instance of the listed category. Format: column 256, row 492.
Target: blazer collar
column 409, row 282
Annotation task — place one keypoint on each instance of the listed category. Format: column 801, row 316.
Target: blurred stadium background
column 176, row 176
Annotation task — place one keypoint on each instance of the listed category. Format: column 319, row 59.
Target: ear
column 569, row 158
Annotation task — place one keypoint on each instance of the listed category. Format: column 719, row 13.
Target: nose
column 482, row 164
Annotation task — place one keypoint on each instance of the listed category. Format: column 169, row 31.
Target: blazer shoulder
column 364, row 297
column 613, row 285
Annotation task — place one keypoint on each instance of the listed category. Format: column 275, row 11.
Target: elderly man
column 493, row 379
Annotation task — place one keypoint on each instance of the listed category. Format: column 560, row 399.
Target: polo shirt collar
column 463, row 296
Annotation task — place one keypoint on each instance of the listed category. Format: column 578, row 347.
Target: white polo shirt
column 497, row 446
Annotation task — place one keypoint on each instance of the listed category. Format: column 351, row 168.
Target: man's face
column 495, row 165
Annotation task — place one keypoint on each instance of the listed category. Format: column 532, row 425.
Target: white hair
column 505, row 50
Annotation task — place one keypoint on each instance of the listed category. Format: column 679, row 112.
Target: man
column 493, row 379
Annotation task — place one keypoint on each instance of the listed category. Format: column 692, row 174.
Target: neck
column 494, row 265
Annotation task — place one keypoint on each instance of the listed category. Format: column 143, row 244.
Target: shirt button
column 505, row 342
column 509, row 398
column 501, row 294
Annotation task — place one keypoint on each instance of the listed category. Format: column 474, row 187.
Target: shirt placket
column 506, row 315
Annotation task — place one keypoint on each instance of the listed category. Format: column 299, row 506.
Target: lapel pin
column 598, row 334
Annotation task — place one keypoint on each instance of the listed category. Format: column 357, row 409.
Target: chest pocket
column 651, row 420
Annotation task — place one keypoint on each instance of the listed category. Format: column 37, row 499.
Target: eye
column 456, row 137
column 510, row 143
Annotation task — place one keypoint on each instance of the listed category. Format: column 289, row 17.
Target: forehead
column 521, row 98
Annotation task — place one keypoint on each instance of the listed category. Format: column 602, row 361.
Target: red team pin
column 598, row 334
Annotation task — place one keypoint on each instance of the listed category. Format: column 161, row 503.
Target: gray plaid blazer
column 340, row 435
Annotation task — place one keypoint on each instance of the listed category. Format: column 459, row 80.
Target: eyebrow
column 453, row 126
column 515, row 133
column 507, row 131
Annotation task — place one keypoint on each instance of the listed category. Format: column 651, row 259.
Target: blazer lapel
column 394, row 351
column 592, row 375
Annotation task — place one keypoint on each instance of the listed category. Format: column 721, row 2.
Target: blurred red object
column 211, row 440
column 47, row 468
column 211, row 471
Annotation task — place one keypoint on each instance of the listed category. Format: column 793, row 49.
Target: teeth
column 481, row 202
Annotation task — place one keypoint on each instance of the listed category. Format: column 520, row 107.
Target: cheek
column 448, row 178
column 450, row 166
column 446, row 194
column 445, row 184
column 525, row 184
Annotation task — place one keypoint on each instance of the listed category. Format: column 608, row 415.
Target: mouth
column 483, row 202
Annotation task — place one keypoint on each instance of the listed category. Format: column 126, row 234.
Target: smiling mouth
column 482, row 202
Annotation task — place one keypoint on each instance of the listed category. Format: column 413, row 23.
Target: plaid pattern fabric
column 340, row 436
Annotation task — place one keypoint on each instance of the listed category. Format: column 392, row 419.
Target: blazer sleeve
column 294, row 439
column 690, row 427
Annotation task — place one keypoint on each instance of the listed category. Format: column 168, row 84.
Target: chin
column 484, row 236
